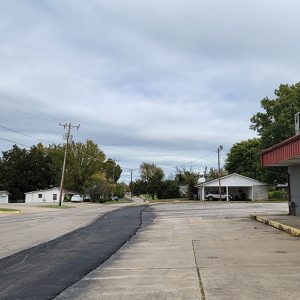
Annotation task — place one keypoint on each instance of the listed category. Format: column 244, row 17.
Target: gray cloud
column 164, row 81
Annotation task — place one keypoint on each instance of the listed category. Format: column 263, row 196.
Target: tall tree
column 213, row 173
column 276, row 122
column 83, row 161
column 25, row 170
column 191, row 180
column 112, row 170
column 152, row 176
column 244, row 158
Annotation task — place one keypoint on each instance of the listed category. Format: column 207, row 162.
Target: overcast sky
column 159, row 81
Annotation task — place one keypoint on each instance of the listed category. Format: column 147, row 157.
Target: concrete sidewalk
column 287, row 223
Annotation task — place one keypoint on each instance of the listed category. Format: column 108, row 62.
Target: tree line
column 88, row 171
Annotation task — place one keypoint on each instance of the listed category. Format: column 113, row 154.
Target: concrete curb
column 289, row 229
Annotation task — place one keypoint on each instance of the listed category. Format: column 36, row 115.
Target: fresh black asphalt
column 45, row 270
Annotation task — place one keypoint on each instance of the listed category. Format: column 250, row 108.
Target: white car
column 212, row 196
column 76, row 198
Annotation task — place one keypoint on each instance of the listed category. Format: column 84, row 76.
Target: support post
column 68, row 137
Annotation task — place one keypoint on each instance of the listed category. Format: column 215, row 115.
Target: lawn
column 2, row 209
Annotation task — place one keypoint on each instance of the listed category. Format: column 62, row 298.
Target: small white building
column 4, row 195
column 238, row 186
column 43, row 196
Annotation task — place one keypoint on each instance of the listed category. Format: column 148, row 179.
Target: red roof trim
column 283, row 153
column 283, row 143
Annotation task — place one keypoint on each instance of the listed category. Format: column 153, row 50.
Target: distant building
column 238, row 186
column 4, row 196
column 43, row 196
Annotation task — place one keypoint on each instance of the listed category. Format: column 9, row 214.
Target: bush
column 278, row 195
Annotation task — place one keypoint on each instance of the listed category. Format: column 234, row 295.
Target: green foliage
column 40, row 167
column 244, row 158
column 277, row 195
column 169, row 189
column 188, row 178
column 98, row 187
column 276, row 123
column 152, row 176
column 112, row 170
column 25, row 170
column 214, row 174
column 139, row 187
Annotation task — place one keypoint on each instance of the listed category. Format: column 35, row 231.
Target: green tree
column 25, row 170
column 112, row 170
column 244, row 158
column 276, row 122
column 169, row 189
column 152, row 176
column 214, row 174
column 138, row 187
column 191, row 180
column 98, row 187
column 83, row 161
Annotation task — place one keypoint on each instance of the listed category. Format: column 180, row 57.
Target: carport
column 238, row 186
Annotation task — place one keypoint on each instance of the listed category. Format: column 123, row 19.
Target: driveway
column 199, row 251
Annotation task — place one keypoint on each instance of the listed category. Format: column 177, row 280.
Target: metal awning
column 284, row 154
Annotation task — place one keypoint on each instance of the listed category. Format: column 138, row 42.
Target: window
column 40, row 195
column 54, row 197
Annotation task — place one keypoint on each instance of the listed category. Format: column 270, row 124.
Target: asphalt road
column 45, row 270
column 37, row 225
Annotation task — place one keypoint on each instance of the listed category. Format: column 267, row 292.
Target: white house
column 238, row 186
column 47, row 196
column 4, row 195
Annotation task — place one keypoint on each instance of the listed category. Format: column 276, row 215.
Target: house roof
column 45, row 190
column 233, row 179
column 52, row 189
column 6, row 192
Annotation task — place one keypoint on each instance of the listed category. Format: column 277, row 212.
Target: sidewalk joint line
column 199, row 275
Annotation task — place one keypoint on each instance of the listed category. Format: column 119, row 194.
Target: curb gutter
column 289, row 229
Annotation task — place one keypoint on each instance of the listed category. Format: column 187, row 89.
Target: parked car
column 115, row 198
column 212, row 196
column 76, row 198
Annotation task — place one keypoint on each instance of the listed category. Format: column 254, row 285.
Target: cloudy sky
column 160, row 81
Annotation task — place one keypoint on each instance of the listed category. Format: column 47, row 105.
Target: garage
column 233, row 187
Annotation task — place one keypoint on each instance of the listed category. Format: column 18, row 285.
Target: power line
column 27, row 135
column 14, row 142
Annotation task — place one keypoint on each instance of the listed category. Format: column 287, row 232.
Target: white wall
column 294, row 172
column 46, row 196
column 3, row 198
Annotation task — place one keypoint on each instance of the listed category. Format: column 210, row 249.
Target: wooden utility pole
column 68, row 137
column 220, row 148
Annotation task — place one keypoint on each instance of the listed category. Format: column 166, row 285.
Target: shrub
column 278, row 195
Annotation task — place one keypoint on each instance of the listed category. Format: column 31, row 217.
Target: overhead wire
column 27, row 135
column 7, row 140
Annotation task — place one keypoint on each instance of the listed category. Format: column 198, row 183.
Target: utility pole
column 68, row 137
column 220, row 148
column 131, row 185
